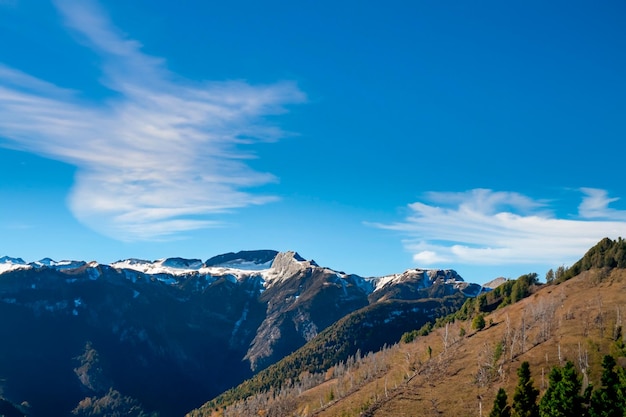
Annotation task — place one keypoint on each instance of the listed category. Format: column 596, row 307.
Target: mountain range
column 165, row 336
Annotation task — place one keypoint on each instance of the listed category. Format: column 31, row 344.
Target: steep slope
column 302, row 300
column 575, row 321
column 456, row 369
column 365, row 330
column 171, row 333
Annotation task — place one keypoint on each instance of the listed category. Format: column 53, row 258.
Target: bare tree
column 600, row 316
column 523, row 331
column 543, row 313
column 583, row 364
column 586, row 320
column 444, row 337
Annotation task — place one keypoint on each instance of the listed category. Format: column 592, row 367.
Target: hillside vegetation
column 366, row 330
column 458, row 364
column 606, row 254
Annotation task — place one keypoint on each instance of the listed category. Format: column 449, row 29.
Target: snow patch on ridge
column 60, row 265
column 268, row 268
column 11, row 264
column 425, row 278
column 245, row 265
column 179, row 267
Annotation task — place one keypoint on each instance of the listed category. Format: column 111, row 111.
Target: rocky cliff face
column 174, row 332
column 302, row 299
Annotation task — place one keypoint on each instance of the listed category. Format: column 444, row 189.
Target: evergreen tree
column 559, row 275
column 479, row 322
column 608, row 400
column 500, row 406
column 562, row 399
column 525, row 397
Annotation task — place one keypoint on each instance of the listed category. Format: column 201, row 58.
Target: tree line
column 474, row 309
column 605, row 254
column 566, row 396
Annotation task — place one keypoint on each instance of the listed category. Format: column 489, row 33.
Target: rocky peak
column 287, row 264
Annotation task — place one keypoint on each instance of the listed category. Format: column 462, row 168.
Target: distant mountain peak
column 495, row 283
column 8, row 263
column 182, row 263
column 8, row 259
column 286, row 265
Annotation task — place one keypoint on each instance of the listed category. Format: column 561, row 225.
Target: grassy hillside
column 366, row 330
column 457, row 366
column 457, row 370
column 577, row 320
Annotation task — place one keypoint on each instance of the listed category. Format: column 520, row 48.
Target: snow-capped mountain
column 10, row 264
column 188, row 329
column 270, row 266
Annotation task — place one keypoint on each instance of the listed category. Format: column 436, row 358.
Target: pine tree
column 608, row 400
column 563, row 398
column 479, row 322
column 500, row 406
column 525, row 397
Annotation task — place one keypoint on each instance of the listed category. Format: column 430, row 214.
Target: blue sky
column 373, row 137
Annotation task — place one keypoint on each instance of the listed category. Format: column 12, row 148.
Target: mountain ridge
column 253, row 260
column 230, row 316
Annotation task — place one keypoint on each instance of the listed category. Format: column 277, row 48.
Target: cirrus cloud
column 485, row 227
column 162, row 157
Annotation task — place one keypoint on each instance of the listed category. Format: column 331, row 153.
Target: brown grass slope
column 456, row 370
column 575, row 320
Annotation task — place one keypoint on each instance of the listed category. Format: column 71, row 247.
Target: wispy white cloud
column 485, row 227
column 595, row 205
column 162, row 157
